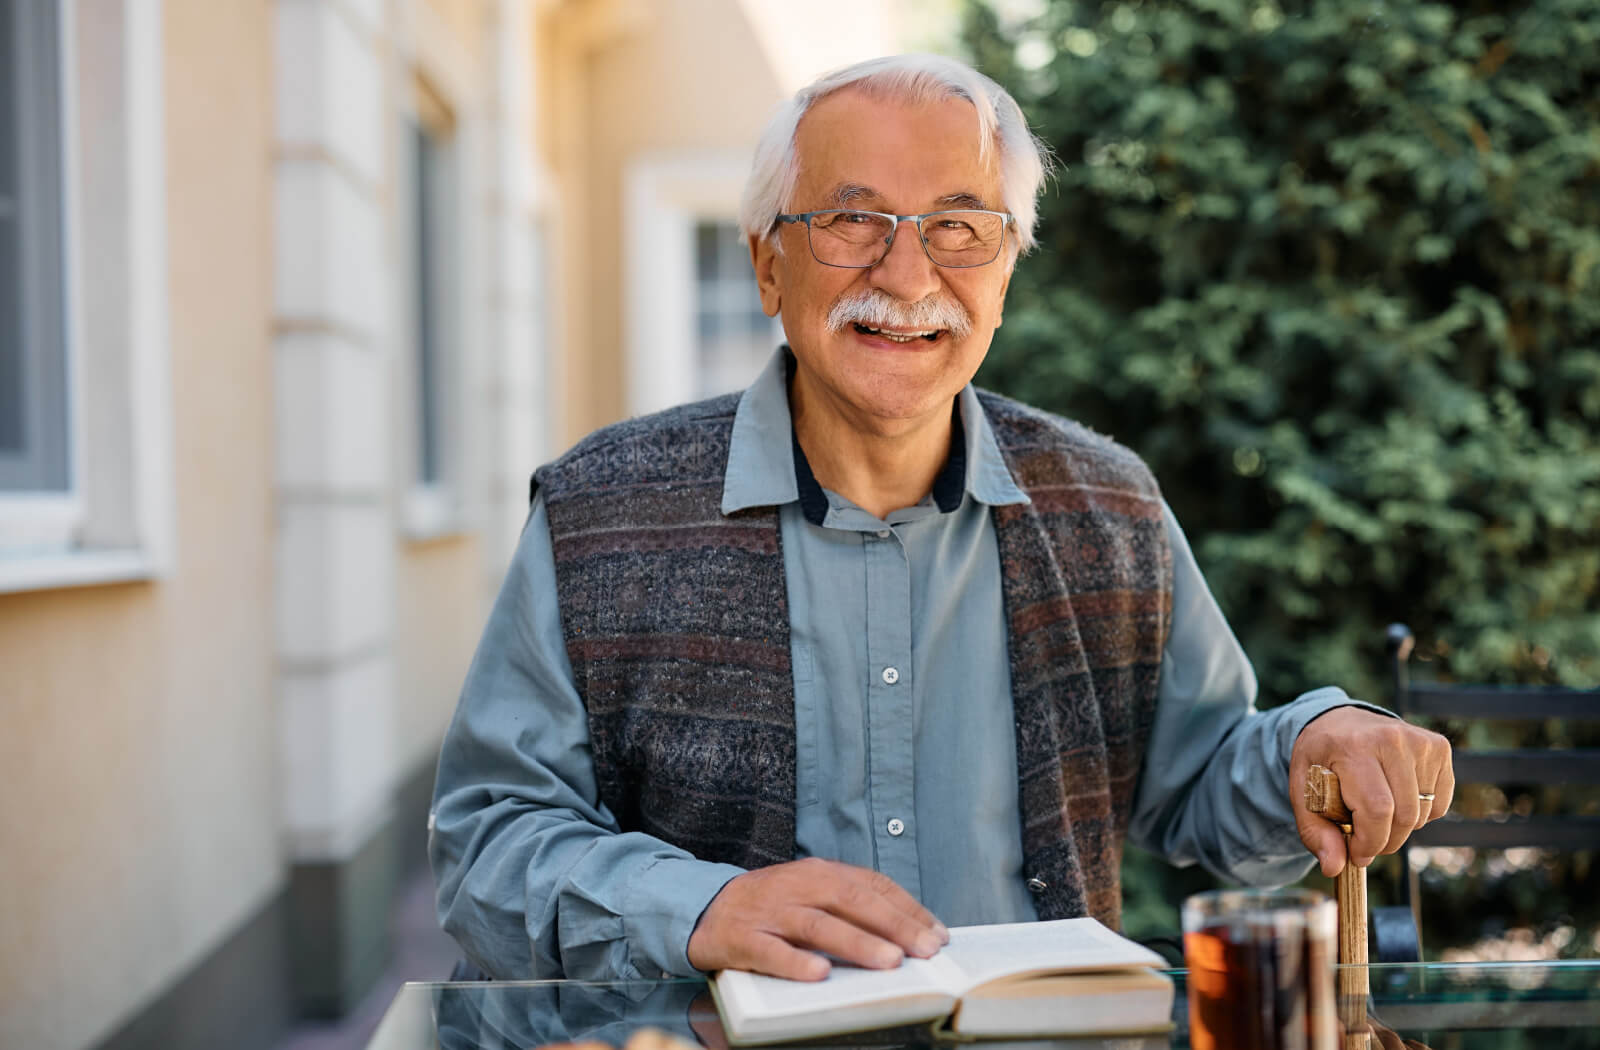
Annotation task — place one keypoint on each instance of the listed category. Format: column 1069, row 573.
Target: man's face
column 860, row 152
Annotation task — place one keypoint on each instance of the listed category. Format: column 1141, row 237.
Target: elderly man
column 786, row 675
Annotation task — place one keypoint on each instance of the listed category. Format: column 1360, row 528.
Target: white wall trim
column 664, row 194
column 338, row 842
column 432, row 512
column 72, row 274
column 74, row 569
column 516, row 302
column 150, row 386
column 337, row 724
column 333, row 308
column 329, row 91
column 39, row 522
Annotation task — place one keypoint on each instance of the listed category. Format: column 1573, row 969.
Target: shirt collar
column 766, row 467
column 760, row 469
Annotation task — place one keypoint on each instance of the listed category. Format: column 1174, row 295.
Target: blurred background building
column 294, row 295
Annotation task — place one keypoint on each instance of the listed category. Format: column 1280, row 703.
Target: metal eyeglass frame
column 896, row 220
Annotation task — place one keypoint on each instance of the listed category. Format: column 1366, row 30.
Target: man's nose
column 906, row 272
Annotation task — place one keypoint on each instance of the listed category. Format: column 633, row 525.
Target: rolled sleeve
column 665, row 902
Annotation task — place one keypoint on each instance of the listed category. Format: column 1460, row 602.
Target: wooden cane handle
column 1322, row 795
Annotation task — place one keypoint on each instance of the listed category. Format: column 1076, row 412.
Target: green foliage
column 1333, row 269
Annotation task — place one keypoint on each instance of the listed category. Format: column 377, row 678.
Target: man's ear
column 764, row 257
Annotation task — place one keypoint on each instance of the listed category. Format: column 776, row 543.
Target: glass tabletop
column 1460, row 1006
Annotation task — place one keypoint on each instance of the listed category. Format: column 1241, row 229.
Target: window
column 34, row 450
column 435, row 294
column 86, row 487
column 734, row 336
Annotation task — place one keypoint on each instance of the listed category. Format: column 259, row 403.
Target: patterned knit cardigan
column 676, row 621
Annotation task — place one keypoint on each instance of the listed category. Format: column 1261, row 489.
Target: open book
column 1067, row 977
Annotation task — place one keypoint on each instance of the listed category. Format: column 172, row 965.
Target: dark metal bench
column 1501, row 767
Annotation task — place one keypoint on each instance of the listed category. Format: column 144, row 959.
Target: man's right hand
column 775, row 920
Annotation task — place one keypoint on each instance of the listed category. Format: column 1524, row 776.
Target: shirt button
column 890, row 676
column 883, row 534
column 897, row 826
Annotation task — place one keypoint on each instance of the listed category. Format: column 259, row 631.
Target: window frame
column 431, row 99
column 665, row 195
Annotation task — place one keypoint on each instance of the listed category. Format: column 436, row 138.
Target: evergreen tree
column 1333, row 269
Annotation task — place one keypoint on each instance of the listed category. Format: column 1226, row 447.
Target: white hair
column 914, row 79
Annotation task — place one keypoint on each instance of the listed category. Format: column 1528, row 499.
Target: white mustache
column 876, row 308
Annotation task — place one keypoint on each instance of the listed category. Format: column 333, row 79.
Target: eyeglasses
column 859, row 239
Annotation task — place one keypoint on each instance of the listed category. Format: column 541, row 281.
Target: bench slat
column 1510, row 702
column 1528, row 766
column 1564, row 833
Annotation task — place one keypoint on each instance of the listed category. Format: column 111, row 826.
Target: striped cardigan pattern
column 677, row 627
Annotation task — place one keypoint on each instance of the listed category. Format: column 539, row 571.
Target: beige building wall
column 141, row 821
column 438, row 621
column 687, row 75
column 685, row 83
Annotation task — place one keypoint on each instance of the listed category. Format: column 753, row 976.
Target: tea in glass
column 1260, row 970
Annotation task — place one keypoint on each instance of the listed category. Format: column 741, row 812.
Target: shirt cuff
column 1276, row 856
column 1309, row 706
column 664, row 904
column 1301, row 712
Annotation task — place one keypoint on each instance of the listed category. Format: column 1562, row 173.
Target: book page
column 986, row 952
column 845, row 985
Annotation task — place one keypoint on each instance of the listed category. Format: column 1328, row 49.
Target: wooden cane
column 1323, row 798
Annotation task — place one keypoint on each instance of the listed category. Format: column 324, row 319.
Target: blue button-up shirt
column 905, row 747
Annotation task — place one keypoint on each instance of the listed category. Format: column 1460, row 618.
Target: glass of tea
column 1261, row 970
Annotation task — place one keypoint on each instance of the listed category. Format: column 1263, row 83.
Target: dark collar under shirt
column 948, row 487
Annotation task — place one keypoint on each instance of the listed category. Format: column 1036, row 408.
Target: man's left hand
column 1385, row 767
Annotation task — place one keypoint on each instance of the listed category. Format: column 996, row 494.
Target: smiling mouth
column 899, row 337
